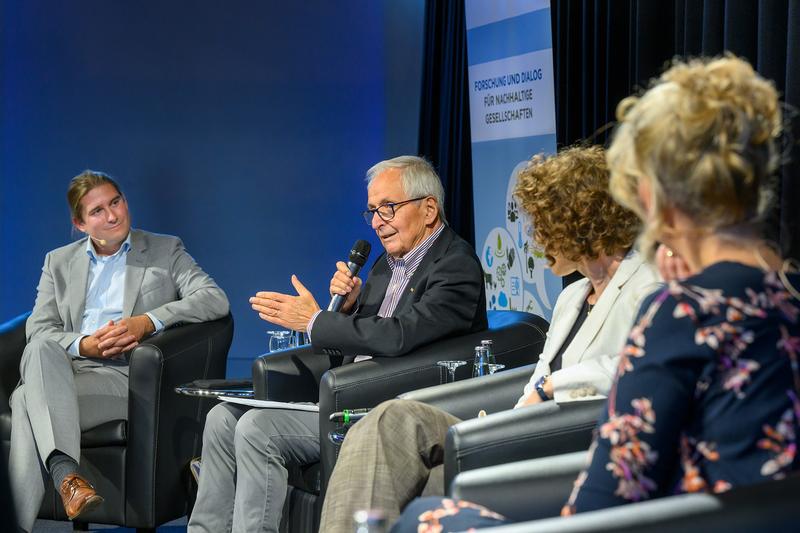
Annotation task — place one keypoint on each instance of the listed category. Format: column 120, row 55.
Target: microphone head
column 360, row 252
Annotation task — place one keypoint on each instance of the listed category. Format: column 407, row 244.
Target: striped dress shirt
column 402, row 271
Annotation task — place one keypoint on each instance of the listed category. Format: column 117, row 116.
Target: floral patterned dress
column 706, row 398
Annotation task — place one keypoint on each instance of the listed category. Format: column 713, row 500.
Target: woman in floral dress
column 706, row 397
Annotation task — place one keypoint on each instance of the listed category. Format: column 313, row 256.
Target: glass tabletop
column 191, row 390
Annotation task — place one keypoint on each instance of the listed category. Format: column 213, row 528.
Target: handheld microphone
column 347, row 416
column 357, row 259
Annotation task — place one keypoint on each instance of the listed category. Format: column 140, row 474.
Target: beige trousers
column 389, row 457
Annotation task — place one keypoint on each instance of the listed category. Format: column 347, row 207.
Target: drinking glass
column 279, row 340
column 298, row 339
column 451, row 368
column 495, row 367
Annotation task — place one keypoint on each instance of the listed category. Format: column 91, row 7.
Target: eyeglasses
column 387, row 211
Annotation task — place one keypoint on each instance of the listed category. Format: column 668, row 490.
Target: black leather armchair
column 530, row 491
column 301, row 375
column 506, row 435
column 138, row 465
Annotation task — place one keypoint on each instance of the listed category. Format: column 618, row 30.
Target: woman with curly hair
column 707, row 391
column 398, row 448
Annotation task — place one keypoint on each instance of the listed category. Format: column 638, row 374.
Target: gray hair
column 418, row 175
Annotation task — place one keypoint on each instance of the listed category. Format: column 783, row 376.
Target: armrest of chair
column 291, row 375
column 12, row 344
column 522, row 490
column 686, row 512
column 531, row 432
column 495, row 393
column 767, row 506
column 165, row 429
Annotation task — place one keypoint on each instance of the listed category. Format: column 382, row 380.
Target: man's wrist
column 310, row 325
column 158, row 326
column 151, row 325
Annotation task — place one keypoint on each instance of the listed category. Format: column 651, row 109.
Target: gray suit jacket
column 160, row 278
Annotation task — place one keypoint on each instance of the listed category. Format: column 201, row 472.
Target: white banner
column 512, row 117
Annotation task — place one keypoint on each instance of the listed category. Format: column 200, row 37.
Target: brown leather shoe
column 78, row 495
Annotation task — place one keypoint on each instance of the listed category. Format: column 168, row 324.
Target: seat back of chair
column 768, row 506
column 540, row 430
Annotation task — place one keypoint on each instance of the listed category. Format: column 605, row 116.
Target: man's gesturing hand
column 343, row 285
column 291, row 312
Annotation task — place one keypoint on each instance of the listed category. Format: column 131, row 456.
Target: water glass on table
column 280, row 340
column 451, row 367
column 495, row 367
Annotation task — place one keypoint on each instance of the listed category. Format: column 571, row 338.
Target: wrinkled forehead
column 386, row 187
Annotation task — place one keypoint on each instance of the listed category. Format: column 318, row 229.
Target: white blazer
column 589, row 364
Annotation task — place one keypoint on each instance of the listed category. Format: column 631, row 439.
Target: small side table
column 225, row 388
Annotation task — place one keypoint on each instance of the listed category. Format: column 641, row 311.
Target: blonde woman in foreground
column 706, row 397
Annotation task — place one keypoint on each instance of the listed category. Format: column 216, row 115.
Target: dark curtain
column 444, row 110
column 603, row 51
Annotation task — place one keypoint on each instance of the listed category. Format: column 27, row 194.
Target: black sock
column 60, row 466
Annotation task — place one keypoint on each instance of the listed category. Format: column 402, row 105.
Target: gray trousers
column 388, row 458
column 56, row 399
column 243, row 477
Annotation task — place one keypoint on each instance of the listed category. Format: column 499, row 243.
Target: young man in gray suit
column 97, row 299
column 428, row 285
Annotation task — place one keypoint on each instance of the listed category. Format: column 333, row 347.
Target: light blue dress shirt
column 105, row 290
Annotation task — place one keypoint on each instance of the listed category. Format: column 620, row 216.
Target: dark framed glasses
column 387, row 211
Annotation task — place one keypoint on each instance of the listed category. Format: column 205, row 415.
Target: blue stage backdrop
column 244, row 127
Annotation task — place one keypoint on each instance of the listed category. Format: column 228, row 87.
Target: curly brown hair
column 567, row 197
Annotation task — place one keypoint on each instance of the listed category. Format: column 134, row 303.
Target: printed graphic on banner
column 511, row 259
column 512, row 118
column 518, row 223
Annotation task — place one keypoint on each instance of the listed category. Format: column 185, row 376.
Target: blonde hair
column 573, row 213
column 80, row 186
column 703, row 138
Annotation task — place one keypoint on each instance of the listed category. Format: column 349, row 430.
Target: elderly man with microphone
column 427, row 285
